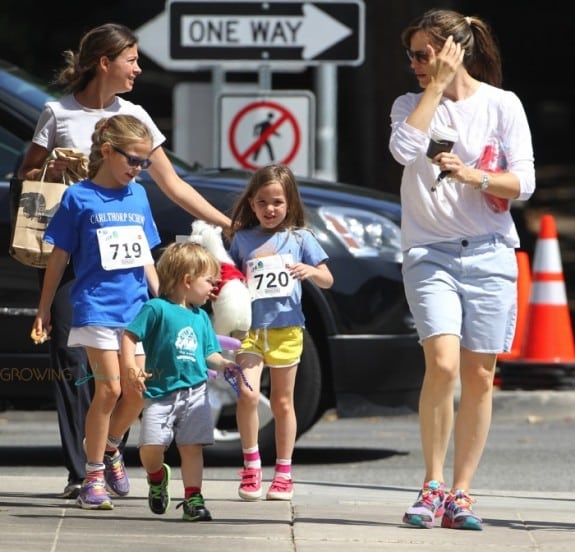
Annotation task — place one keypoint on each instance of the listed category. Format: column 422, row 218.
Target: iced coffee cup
column 442, row 139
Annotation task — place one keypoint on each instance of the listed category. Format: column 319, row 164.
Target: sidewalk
column 320, row 518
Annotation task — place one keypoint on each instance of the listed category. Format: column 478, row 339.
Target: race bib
column 123, row 247
column 269, row 277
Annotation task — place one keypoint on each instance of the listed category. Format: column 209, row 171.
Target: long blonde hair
column 120, row 131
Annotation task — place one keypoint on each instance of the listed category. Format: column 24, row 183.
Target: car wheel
column 227, row 446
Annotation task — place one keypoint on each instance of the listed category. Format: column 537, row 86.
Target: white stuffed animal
column 232, row 309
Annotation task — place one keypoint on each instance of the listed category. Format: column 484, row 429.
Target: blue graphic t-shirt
column 176, row 341
column 102, row 297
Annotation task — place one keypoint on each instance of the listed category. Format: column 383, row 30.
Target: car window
column 11, row 149
column 30, row 92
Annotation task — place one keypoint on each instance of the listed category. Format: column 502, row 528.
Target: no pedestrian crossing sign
column 271, row 127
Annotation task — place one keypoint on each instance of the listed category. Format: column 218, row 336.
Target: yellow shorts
column 278, row 347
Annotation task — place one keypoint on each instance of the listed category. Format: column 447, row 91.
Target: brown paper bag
column 37, row 201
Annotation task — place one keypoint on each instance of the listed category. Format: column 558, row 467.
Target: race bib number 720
column 269, row 277
column 123, row 247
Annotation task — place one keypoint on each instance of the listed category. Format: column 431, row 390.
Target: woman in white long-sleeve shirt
column 459, row 242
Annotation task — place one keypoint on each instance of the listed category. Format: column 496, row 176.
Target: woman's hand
column 444, row 64
column 55, row 170
column 456, row 169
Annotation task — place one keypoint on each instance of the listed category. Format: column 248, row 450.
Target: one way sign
column 274, row 33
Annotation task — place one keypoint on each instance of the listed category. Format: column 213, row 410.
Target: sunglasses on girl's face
column 133, row 161
column 419, row 56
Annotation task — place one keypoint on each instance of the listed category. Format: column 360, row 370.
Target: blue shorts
column 465, row 288
column 185, row 415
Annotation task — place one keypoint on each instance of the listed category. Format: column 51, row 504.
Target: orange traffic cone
column 547, row 357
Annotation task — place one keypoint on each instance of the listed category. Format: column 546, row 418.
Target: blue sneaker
column 93, row 496
column 458, row 513
column 427, row 507
column 115, row 474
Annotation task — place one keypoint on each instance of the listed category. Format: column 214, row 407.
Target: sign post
column 263, row 36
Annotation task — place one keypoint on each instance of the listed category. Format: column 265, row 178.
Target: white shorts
column 99, row 337
column 465, row 288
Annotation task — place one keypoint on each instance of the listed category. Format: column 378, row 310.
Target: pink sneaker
column 280, row 489
column 251, row 484
column 428, row 506
column 458, row 513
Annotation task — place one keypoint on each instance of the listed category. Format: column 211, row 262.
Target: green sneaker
column 159, row 494
column 195, row 509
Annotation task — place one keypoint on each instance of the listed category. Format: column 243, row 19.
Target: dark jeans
column 72, row 390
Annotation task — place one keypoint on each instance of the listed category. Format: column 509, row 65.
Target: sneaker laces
column 117, row 467
column 156, row 490
column 196, row 500
column 461, row 500
column 428, row 496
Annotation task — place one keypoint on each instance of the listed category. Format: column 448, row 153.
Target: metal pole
column 218, row 82
column 265, row 77
column 326, row 92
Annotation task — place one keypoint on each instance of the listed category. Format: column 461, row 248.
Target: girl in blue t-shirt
column 272, row 247
column 104, row 225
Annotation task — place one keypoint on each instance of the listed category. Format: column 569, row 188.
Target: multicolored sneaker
column 458, row 513
column 280, row 489
column 115, row 474
column 159, row 494
column 93, row 496
column 427, row 507
column 195, row 509
column 251, row 484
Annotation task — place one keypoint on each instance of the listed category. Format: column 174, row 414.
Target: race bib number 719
column 123, row 247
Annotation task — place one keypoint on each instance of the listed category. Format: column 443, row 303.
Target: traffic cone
column 547, row 358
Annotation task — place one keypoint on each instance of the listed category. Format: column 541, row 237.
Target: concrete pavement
column 322, row 516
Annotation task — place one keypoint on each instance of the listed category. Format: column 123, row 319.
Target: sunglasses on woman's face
column 133, row 161
column 419, row 56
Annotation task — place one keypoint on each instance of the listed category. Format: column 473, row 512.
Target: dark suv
column 361, row 354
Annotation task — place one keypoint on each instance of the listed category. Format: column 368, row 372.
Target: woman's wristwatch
column 484, row 182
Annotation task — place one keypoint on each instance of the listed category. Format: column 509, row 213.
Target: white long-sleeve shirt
column 456, row 210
